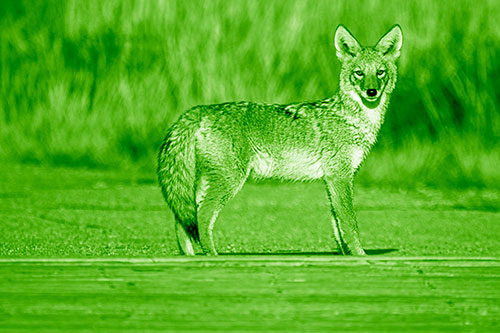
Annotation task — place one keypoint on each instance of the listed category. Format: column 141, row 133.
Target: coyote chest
column 293, row 164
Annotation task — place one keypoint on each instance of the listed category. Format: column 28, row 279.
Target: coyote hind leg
column 184, row 241
column 218, row 191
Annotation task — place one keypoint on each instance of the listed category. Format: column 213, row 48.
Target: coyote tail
column 177, row 171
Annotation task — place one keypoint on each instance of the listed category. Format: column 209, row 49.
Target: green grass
column 97, row 83
column 47, row 212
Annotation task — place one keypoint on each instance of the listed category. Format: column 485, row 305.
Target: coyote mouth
column 371, row 102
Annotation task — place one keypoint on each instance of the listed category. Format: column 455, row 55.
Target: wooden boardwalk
column 251, row 293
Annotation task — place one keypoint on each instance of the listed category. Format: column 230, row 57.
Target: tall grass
column 97, row 83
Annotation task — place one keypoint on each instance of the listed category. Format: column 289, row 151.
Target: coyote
column 209, row 153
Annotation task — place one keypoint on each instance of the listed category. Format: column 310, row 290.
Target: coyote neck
column 356, row 113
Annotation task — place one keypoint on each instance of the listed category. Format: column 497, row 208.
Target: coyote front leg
column 344, row 222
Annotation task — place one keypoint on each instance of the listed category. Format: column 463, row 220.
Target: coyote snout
column 211, row 150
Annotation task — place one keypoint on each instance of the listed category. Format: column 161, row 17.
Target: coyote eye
column 359, row 74
column 380, row 73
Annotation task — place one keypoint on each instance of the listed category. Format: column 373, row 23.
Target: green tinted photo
column 243, row 165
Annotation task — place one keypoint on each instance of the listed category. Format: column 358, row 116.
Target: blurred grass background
column 96, row 83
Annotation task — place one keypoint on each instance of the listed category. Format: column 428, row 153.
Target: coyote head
column 368, row 73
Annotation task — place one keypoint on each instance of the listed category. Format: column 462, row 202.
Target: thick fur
column 177, row 174
column 211, row 150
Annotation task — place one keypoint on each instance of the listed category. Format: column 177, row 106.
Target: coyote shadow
column 305, row 253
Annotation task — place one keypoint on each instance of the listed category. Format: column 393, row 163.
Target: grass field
column 97, row 83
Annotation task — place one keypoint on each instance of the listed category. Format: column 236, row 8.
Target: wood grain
column 251, row 293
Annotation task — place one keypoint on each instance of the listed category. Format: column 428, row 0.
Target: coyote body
column 211, row 150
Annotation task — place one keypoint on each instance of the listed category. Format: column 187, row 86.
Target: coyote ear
column 391, row 42
column 346, row 44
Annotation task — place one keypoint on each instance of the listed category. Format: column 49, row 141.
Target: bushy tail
column 177, row 171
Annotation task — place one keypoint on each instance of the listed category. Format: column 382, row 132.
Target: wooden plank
column 251, row 293
column 276, row 260
column 249, row 258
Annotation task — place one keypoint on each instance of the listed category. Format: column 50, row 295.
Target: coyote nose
column 371, row 92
